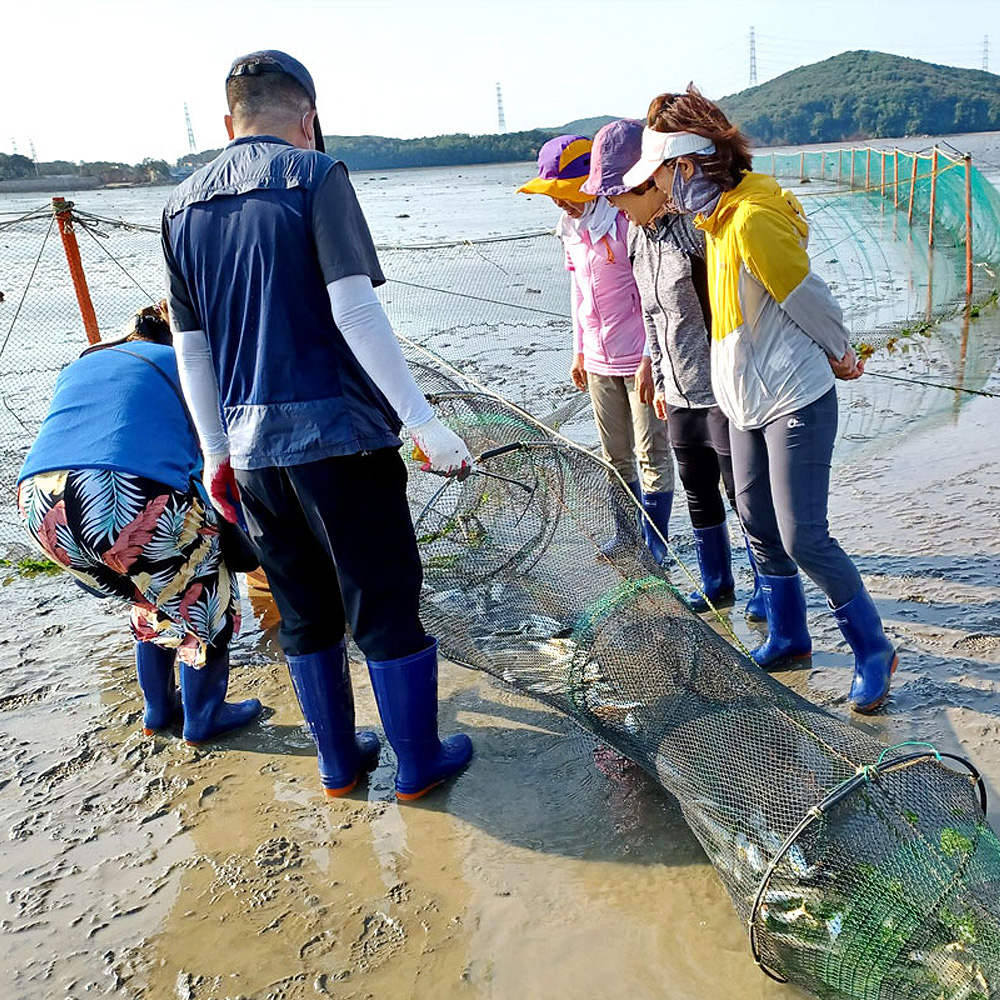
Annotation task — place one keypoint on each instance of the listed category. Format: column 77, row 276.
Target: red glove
column 220, row 480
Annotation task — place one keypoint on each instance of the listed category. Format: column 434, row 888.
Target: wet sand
column 142, row 868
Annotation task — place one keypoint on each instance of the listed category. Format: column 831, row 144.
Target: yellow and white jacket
column 775, row 324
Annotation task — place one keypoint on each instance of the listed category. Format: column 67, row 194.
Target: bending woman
column 130, row 520
column 778, row 343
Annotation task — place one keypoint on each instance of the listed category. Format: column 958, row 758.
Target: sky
column 108, row 80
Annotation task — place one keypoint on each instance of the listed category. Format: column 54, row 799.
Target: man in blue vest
column 270, row 271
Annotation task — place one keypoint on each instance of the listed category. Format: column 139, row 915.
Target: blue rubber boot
column 875, row 659
column 755, row 610
column 715, row 563
column 657, row 507
column 322, row 683
column 154, row 667
column 406, row 695
column 625, row 522
column 207, row 714
column 787, row 632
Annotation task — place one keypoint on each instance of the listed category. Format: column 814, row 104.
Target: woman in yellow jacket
column 778, row 345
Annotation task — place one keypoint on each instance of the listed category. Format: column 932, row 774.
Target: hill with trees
column 865, row 95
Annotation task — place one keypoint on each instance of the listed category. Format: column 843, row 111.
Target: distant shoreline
column 57, row 184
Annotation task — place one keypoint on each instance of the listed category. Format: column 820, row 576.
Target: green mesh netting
column 889, row 890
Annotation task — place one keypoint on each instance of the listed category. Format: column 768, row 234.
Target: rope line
column 89, row 230
column 936, row 385
column 24, row 294
column 478, row 298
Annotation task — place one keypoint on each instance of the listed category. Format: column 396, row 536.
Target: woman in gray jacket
column 668, row 263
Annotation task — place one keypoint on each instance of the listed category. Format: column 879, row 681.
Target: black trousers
column 336, row 541
column 700, row 439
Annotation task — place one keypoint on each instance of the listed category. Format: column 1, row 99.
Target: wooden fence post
column 64, row 217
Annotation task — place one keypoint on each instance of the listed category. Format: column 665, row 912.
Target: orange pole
column 968, row 225
column 64, row 218
column 895, row 178
column 913, row 186
column 882, row 181
column 868, row 170
column 934, row 172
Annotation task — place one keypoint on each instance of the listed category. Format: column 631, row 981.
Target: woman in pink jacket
column 610, row 357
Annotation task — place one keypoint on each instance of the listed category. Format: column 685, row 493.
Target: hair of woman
column 693, row 112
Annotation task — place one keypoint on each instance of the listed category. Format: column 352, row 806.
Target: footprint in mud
column 381, row 937
column 11, row 702
column 978, row 644
column 277, row 855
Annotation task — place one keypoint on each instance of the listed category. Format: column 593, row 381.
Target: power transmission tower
column 187, row 118
column 13, row 144
column 753, row 59
column 34, row 155
column 986, row 53
column 501, row 123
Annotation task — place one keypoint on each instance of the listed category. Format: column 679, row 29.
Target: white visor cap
column 660, row 146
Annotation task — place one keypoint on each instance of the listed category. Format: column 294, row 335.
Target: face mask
column 696, row 196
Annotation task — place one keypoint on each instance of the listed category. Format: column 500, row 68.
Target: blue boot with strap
column 322, row 683
column 787, row 631
column 154, row 667
column 406, row 695
column 875, row 658
column 207, row 714
column 715, row 563
column 625, row 519
column 657, row 507
column 755, row 610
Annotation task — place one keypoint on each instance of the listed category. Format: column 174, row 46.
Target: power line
column 192, row 146
column 501, row 122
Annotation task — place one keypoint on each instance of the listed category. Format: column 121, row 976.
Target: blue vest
column 113, row 411
column 240, row 231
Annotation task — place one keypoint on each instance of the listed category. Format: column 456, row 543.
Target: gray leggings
column 782, row 474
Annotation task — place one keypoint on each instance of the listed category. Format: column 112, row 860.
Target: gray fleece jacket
column 668, row 261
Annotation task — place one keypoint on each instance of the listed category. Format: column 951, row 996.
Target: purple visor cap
column 617, row 147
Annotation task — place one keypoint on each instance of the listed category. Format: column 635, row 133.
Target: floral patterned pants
column 125, row 536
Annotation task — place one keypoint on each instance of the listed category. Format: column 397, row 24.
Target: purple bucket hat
column 617, row 147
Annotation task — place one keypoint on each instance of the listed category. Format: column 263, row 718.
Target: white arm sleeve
column 194, row 365
column 360, row 318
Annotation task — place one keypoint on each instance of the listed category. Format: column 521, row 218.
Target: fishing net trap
column 860, row 871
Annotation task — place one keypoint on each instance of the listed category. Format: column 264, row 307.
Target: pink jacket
column 608, row 326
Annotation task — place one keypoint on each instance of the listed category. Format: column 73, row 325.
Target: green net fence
column 859, row 879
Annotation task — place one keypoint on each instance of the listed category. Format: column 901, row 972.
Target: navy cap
column 276, row 61
column 273, row 61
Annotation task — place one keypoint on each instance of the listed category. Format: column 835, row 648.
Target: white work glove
column 440, row 449
column 220, row 481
